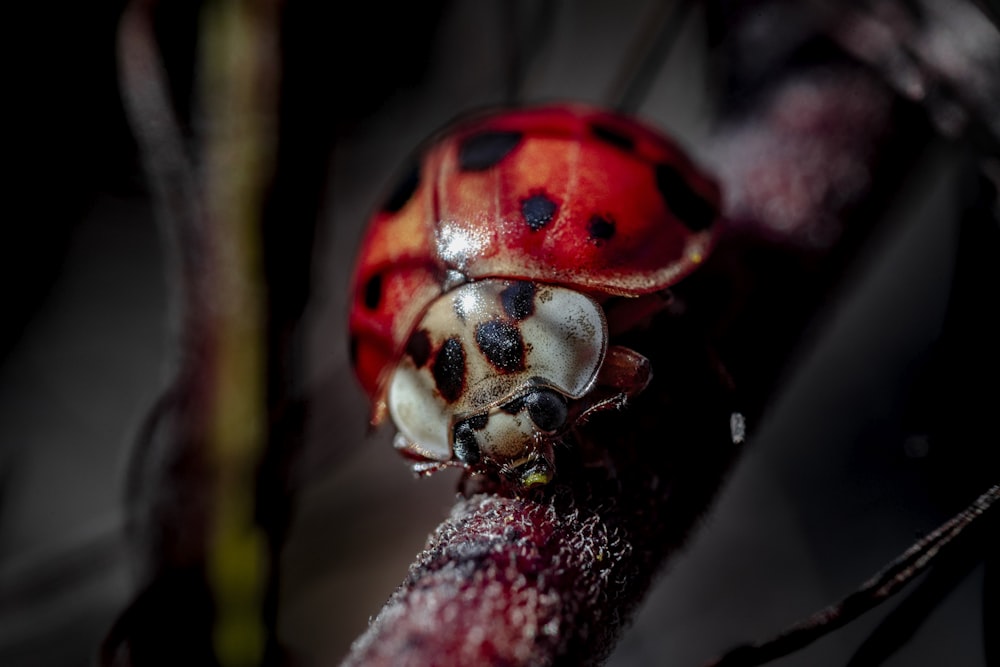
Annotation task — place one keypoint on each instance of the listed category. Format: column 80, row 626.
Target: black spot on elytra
column 419, row 347
column 484, row 150
column 519, row 300
column 373, row 291
column 600, row 229
column 502, row 345
column 464, row 443
column 613, row 136
column 403, row 191
column 690, row 208
column 449, row 369
column 538, row 211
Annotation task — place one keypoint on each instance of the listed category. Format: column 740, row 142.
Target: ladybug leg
column 631, row 313
column 624, row 374
column 421, row 463
column 625, row 370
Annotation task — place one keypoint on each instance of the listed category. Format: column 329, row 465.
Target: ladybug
column 494, row 278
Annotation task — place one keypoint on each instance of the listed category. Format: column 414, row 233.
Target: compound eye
column 547, row 409
column 466, row 446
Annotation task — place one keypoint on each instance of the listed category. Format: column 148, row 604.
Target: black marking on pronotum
column 518, row 300
column 464, row 443
column 449, row 369
column 502, row 345
column 600, row 229
column 688, row 206
column 538, row 211
column 373, row 291
column 403, row 191
column 419, row 347
column 613, row 136
column 484, row 150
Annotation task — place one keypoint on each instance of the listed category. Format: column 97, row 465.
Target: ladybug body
column 481, row 300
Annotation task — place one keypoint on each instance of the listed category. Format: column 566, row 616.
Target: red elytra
column 568, row 195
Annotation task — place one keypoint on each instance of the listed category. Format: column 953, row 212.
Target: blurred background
column 840, row 477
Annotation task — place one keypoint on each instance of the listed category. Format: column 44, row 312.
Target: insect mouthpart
column 534, row 473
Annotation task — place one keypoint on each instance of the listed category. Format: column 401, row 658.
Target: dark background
column 840, row 477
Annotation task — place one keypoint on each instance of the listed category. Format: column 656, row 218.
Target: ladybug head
column 490, row 375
